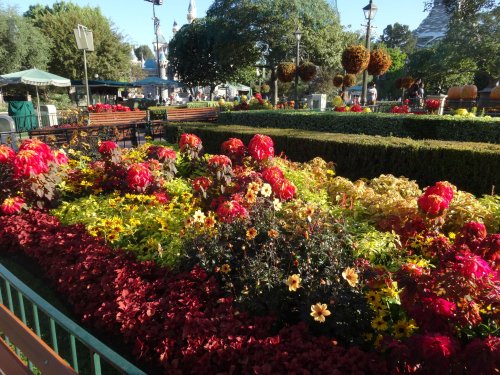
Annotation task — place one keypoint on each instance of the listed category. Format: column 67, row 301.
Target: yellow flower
column 373, row 297
column 350, row 276
column 253, row 187
column 273, row 233
column 389, row 292
column 209, row 222
column 319, row 311
column 199, row 216
column 266, row 190
column 379, row 324
column 251, row 233
column 250, row 196
column 225, row 268
column 293, row 282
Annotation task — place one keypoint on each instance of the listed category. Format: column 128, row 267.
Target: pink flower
column 7, row 154
column 284, row 189
column 161, row 153
column 42, row 149
column 200, row 184
column 230, row 211
column 219, row 161
column 435, row 350
column 189, row 141
column 60, row 158
column 471, row 235
column 441, row 188
column 261, row 147
column 161, row 196
column 470, row 265
column 12, row 206
column 272, row 174
column 139, row 177
column 234, row 148
column 432, row 205
column 106, row 147
column 29, row 162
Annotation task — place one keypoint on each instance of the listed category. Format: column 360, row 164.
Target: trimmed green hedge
column 473, row 167
column 202, row 104
column 413, row 126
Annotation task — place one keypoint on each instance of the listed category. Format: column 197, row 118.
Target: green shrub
column 157, row 113
column 470, row 166
column 202, row 104
column 416, row 127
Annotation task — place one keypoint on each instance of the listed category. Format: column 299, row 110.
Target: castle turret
column 191, row 15
column 175, row 28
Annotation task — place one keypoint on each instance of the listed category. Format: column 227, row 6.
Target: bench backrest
column 193, row 114
column 115, row 118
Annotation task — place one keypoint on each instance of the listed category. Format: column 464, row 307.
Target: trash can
column 23, row 114
column 8, row 135
column 48, row 113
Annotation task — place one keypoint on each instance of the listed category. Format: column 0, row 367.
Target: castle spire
column 175, row 28
column 191, row 15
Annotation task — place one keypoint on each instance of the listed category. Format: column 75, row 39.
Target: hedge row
column 449, row 128
column 473, row 167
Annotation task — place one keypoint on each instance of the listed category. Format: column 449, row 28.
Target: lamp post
column 298, row 35
column 370, row 10
column 85, row 41
column 156, row 22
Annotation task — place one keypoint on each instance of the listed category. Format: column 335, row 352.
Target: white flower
column 277, row 204
column 199, row 216
column 266, row 190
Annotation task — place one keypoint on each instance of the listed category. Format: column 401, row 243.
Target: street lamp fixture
column 370, row 10
column 298, row 36
column 156, row 22
column 85, row 41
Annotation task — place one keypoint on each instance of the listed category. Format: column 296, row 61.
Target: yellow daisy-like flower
column 251, row 233
column 319, row 312
column 379, row 324
column 373, row 297
column 293, row 283
column 266, row 190
column 400, row 329
column 199, row 216
column 253, row 187
column 273, row 233
column 209, row 222
column 225, row 268
column 251, row 197
column 389, row 292
column 350, row 276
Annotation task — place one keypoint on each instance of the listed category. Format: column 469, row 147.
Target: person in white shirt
column 372, row 94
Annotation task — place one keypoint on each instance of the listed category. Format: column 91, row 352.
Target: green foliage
column 470, row 166
column 22, row 45
column 111, row 56
column 202, row 104
column 144, row 52
column 399, row 36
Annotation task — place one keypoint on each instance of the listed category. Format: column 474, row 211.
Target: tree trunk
column 274, row 87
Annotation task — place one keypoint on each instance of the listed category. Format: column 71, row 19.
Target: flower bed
column 244, row 262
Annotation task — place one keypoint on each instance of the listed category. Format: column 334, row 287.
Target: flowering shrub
column 100, row 107
column 432, row 105
column 400, row 109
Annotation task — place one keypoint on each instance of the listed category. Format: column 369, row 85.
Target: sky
column 133, row 18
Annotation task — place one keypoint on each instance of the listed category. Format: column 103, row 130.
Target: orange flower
column 225, row 268
column 250, row 196
column 273, row 233
column 350, row 276
column 251, row 233
column 319, row 311
column 209, row 221
column 293, row 282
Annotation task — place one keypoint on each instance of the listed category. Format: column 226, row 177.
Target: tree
column 270, row 24
column 111, row 56
column 399, row 36
column 463, row 9
column 22, row 45
column 386, row 84
column 144, row 52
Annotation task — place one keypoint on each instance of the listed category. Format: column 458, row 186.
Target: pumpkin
column 455, row 92
column 469, row 92
column 495, row 93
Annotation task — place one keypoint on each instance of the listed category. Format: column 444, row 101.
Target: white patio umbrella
column 36, row 78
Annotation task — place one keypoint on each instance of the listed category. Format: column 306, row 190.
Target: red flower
column 29, row 162
column 60, row 157
column 219, row 161
column 340, row 109
column 261, row 147
column 12, row 206
column 39, row 147
column 7, row 154
column 200, row 184
column 432, row 205
column 442, row 188
column 161, row 153
column 356, row 108
column 230, row 211
column 189, row 141
column 471, row 235
column 437, row 351
column 161, row 196
column 489, row 249
column 272, row 174
column 470, row 265
column 234, row 148
column 482, row 357
column 139, row 177
column 106, row 147
column 284, row 189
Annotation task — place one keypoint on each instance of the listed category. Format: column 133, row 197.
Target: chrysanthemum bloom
column 106, row 147
column 234, row 148
column 272, row 174
column 139, row 177
column 42, row 149
column 319, row 312
column 12, row 206
column 230, row 211
column 189, row 141
column 251, row 233
column 350, row 276
column 261, row 147
column 293, row 282
column 7, row 154
column 219, row 162
column 435, row 350
column 433, row 204
column 225, row 268
column 284, row 189
column 29, row 162
column 200, row 184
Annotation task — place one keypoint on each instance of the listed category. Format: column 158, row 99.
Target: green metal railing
column 84, row 352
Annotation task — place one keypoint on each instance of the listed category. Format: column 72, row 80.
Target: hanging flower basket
column 355, row 59
column 265, row 88
column 286, row 71
column 338, row 80
column 349, row 80
column 307, row 71
column 380, row 62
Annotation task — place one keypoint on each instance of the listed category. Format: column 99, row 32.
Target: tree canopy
column 22, row 45
column 462, row 9
column 144, row 52
column 399, row 36
column 111, row 56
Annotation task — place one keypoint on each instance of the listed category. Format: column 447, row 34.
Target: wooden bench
column 193, row 114
column 116, row 118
